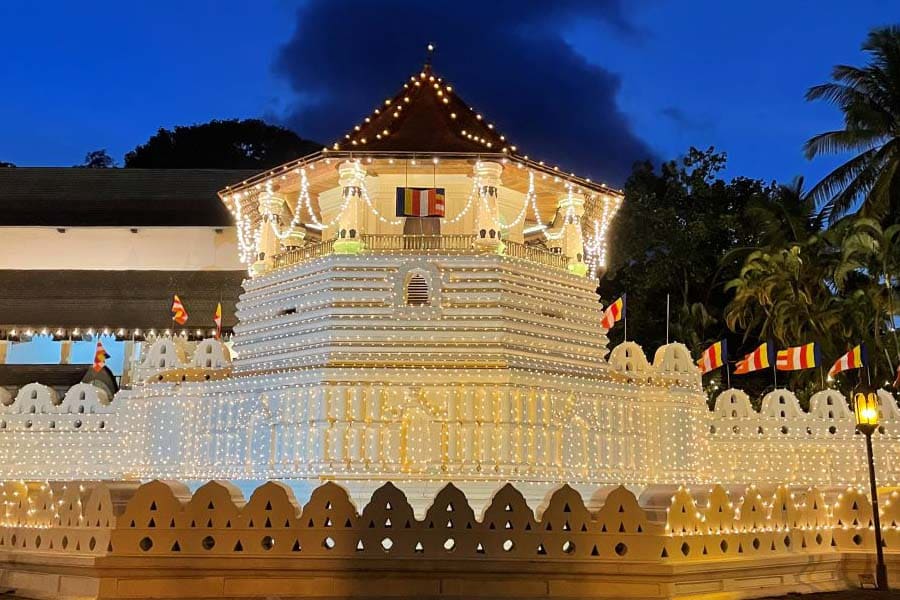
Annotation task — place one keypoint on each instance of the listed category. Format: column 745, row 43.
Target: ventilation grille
column 417, row 291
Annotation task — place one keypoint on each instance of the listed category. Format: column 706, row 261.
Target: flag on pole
column 217, row 319
column 854, row 359
column 761, row 358
column 614, row 313
column 798, row 357
column 100, row 356
column 179, row 314
column 420, row 202
column 713, row 357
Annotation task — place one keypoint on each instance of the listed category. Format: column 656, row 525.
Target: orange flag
column 100, row 356
column 217, row 318
column 179, row 314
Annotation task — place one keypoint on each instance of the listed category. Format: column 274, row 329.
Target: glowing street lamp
column 867, row 411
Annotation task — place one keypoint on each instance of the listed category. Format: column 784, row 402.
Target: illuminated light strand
column 525, row 201
column 296, row 220
column 476, row 186
column 375, row 211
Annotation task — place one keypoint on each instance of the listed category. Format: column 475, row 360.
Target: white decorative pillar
column 271, row 207
column 295, row 239
column 350, row 223
column 571, row 205
column 487, row 212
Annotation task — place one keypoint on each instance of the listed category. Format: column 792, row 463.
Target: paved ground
column 847, row 595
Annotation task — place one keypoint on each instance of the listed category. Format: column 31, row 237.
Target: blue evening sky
column 81, row 76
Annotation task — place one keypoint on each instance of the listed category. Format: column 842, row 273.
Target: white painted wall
column 117, row 248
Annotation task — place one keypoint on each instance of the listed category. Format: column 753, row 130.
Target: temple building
column 420, row 370
column 418, row 307
column 88, row 251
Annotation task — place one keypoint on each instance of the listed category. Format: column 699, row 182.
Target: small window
column 417, row 290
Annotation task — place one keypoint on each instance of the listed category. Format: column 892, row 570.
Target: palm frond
column 843, row 140
column 840, row 178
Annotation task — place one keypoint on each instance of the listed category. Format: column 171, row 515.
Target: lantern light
column 866, row 410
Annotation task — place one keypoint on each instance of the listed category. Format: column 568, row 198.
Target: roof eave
column 325, row 153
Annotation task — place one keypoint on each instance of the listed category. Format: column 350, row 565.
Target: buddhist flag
column 179, row 314
column 420, row 202
column 798, row 357
column 854, row 359
column 217, row 319
column 761, row 358
column 100, row 356
column 713, row 357
column 614, row 313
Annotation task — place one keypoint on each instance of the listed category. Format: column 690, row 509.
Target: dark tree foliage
column 672, row 233
column 228, row 144
column 6, row 165
column 98, row 159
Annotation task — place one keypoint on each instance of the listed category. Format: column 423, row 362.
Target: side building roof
column 80, row 197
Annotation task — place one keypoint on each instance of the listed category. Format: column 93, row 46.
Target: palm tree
column 783, row 216
column 867, row 272
column 869, row 97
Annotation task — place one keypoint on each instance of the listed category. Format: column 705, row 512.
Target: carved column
column 571, row 207
column 487, row 212
column 295, row 239
column 271, row 207
column 350, row 223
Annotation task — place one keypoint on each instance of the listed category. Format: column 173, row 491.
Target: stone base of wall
column 50, row 577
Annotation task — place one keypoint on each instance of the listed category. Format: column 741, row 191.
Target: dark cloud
column 684, row 120
column 507, row 58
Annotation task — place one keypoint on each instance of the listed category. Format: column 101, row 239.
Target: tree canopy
column 869, row 98
column 227, row 144
column 98, row 159
column 674, row 229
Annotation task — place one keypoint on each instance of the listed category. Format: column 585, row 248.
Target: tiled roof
column 115, row 299
column 426, row 115
column 70, row 197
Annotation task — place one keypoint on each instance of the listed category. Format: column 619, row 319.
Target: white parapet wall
column 78, row 436
column 783, row 443
column 641, row 423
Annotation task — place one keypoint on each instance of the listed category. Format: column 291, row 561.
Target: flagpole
column 728, row 374
column 775, row 375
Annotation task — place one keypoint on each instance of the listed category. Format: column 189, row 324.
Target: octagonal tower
column 421, row 308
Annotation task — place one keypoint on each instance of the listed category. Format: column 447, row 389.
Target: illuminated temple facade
column 373, row 345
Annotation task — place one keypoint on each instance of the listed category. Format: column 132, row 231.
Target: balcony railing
column 450, row 244
column 535, row 254
column 298, row 255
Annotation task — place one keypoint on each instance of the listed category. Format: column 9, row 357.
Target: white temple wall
column 782, row 442
column 118, row 249
column 486, row 309
column 79, row 436
column 476, row 431
column 638, row 424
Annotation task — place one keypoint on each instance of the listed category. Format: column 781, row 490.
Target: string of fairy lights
column 303, row 214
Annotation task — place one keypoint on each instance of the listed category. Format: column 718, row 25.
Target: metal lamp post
column 867, row 412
